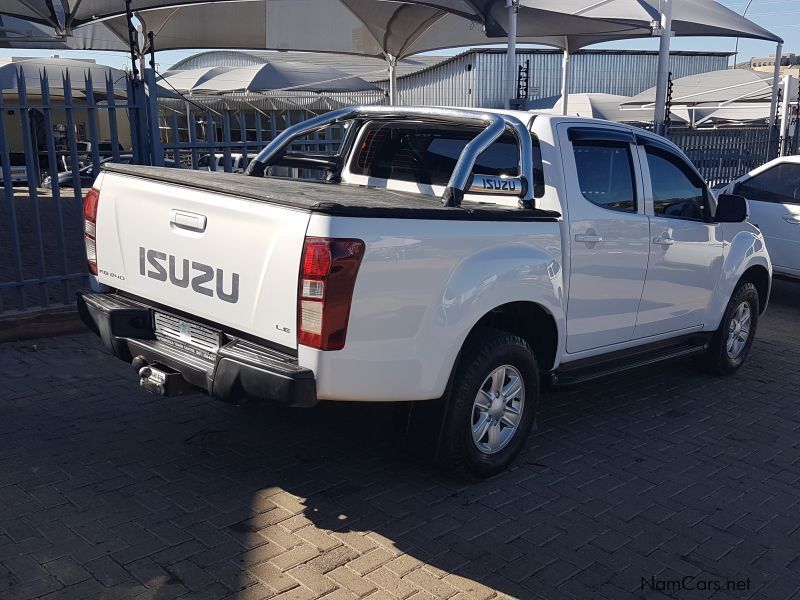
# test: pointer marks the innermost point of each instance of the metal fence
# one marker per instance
(722, 155)
(50, 141)
(226, 138)
(54, 140)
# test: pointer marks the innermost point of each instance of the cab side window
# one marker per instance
(779, 184)
(605, 174)
(678, 192)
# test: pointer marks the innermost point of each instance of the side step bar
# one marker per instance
(587, 369)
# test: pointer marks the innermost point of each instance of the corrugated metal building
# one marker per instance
(475, 77)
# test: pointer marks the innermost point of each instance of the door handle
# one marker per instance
(588, 238)
(664, 240)
(791, 219)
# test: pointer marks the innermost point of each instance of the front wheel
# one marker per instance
(491, 407)
(733, 340)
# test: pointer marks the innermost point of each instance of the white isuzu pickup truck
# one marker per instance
(464, 255)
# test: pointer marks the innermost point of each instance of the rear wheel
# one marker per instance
(491, 407)
(732, 342)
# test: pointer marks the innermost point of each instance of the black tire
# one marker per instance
(486, 351)
(718, 359)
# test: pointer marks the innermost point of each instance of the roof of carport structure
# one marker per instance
(715, 89)
(35, 11)
(690, 17)
(16, 32)
(382, 27)
(54, 70)
(364, 27)
(285, 76)
(368, 68)
(610, 19)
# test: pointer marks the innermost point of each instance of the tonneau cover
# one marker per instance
(329, 198)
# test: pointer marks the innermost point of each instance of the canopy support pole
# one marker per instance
(511, 53)
(132, 40)
(662, 78)
(392, 79)
(773, 107)
(565, 79)
(784, 116)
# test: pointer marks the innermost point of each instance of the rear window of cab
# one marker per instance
(425, 154)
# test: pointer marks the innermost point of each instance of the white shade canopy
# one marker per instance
(621, 18)
(379, 28)
(54, 70)
(599, 106)
(287, 76)
(34, 11)
(714, 89)
(372, 27)
(579, 23)
(16, 32)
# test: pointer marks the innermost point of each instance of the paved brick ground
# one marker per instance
(107, 492)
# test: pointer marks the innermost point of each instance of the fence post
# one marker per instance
(226, 139)
(91, 115)
(31, 164)
(55, 190)
(156, 151)
(191, 125)
(112, 117)
(137, 112)
(5, 163)
(211, 134)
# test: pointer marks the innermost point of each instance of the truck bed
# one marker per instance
(330, 198)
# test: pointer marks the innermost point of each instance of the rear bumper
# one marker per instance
(239, 370)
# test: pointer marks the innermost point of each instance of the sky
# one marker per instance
(779, 16)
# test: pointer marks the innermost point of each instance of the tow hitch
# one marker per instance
(160, 379)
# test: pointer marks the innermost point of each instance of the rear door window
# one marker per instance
(606, 174)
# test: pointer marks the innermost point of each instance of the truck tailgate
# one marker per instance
(229, 260)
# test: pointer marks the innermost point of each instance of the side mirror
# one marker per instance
(731, 209)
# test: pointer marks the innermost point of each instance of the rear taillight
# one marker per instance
(328, 272)
(90, 228)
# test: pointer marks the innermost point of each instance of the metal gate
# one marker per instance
(52, 141)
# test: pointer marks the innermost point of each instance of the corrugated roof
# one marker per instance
(370, 69)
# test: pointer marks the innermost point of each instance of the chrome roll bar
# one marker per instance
(494, 125)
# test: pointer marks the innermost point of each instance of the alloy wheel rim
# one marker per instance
(739, 330)
(497, 409)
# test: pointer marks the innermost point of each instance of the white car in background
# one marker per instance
(773, 192)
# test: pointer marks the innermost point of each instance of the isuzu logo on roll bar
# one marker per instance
(497, 184)
(185, 273)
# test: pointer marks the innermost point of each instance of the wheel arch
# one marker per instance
(759, 277)
(529, 320)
